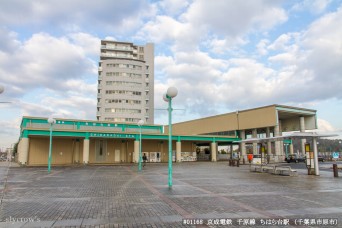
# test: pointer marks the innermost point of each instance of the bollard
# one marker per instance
(230, 162)
(243, 161)
(335, 170)
(237, 163)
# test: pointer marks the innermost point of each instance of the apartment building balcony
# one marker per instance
(117, 55)
(117, 48)
(100, 69)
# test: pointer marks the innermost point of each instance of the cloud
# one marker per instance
(314, 6)
(89, 44)
(44, 61)
(296, 72)
(231, 21)
(325, 126)
(76, 15)
(47, 75)
(173, 7)
(281, 42)
(322, 57)
(222, 17)
(8, 41)
(9, 132)
(164, 28)
(262, 47)
(217, 27)
(207, 85)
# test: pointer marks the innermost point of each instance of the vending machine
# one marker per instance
(310, 163)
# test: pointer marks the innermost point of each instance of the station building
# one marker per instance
(104, 142)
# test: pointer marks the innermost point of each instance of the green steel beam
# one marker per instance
(28, 132)
(55, 133)
(87, 135)
(89, 123)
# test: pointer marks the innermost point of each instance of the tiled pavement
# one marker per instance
(120, 196)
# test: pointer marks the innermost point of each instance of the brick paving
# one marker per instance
(120, 196)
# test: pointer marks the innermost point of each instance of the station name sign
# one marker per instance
(109, 135)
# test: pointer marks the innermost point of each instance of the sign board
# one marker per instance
(310, 159)
(336, 155)
(111, 135)
(256, 159)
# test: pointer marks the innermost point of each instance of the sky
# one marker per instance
(222, 56)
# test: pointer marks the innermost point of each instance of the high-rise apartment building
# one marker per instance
(126, 82)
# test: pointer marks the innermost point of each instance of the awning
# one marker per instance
(290, 136)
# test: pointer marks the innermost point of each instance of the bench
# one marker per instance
(285, 170)
(255, 168)
(268, 168)
(273, 169)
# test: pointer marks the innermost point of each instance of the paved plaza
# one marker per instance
(203, 192)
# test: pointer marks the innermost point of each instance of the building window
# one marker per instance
(124, 83)
(124, 92)
(123, 110)
(116, 101)
(123, 74)
(127, 66)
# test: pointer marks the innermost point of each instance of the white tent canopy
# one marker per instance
(290, 136)
(300, 135)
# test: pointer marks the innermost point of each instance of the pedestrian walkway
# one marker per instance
(203, 192)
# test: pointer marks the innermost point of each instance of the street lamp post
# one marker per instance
(51, 121)
(171, 93)
(140, 123)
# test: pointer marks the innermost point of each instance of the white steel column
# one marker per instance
(23, 150)
(243, 145)
(314, 142)
(281, 143)
(255, 145)
(291, 148)
(85, 151)
(276, 143)
(269, 144)
(178, 151)
(213, 151)
(302, 129)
